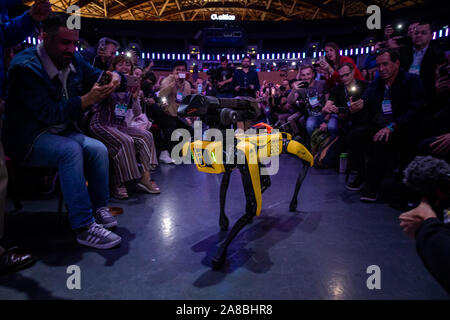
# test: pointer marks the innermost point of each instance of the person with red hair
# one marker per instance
(333, 60)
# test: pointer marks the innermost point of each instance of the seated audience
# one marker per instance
(422, 57)
(345, 101)
(333, 60)
(40, 129)
(131, 149)
(173, 88)
(12, 32)
(394, 101)
(103, 54)
(310, 95)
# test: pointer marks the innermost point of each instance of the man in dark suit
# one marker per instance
(423, 57)
(394, 101)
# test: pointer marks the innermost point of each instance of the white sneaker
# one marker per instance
(96, 236)
(165, 157)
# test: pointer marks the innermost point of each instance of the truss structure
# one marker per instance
(248, 10)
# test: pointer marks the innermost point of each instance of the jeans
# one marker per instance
(313, 122)
(71, 153)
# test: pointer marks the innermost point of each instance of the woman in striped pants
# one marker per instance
(131, 150)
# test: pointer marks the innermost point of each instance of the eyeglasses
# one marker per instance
(345, 75)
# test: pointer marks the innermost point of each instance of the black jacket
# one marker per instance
(433, 246)
(407, 98)
(432, 58)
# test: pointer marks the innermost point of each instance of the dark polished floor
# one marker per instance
(320, 252)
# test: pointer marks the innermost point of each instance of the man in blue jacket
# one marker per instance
(48, 89)
(12, 32)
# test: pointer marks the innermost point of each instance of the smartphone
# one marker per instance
(104, 79)
(182, 75)
(132, 81)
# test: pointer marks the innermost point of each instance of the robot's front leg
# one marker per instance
(300, 178)
(223, 220)
(250, 212)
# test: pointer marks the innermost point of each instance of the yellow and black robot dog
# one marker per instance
(246, 152)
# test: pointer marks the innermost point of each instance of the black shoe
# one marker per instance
(369, 196)
(12, 260)
(357, 184)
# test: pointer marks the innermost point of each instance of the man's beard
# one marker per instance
(65, 61)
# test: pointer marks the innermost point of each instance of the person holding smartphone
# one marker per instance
(346, 102)
(131, 148)
(309, 97)
(173, 89)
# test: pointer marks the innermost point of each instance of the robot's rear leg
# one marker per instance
(223, 220)
(219, 258)
(300, 178)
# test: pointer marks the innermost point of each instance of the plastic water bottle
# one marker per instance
(343, 159)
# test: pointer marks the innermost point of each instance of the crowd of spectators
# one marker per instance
(105, 121)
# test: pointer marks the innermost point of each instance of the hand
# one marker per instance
(392, 42)
(149, 100)
(441, 146)
(135, 91)
(356, 106)
(237, 88)
(442, 85)
(384, 133)
(40, 10)
(115, 79)
(324, 65)
(323, 127)
(388, 31)
(412, 219)
(96, 95)
(330, 108)
(220, 84)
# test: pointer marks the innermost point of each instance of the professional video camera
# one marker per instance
(219, 113)
(246, 152)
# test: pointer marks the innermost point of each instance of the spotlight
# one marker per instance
(128, 54)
